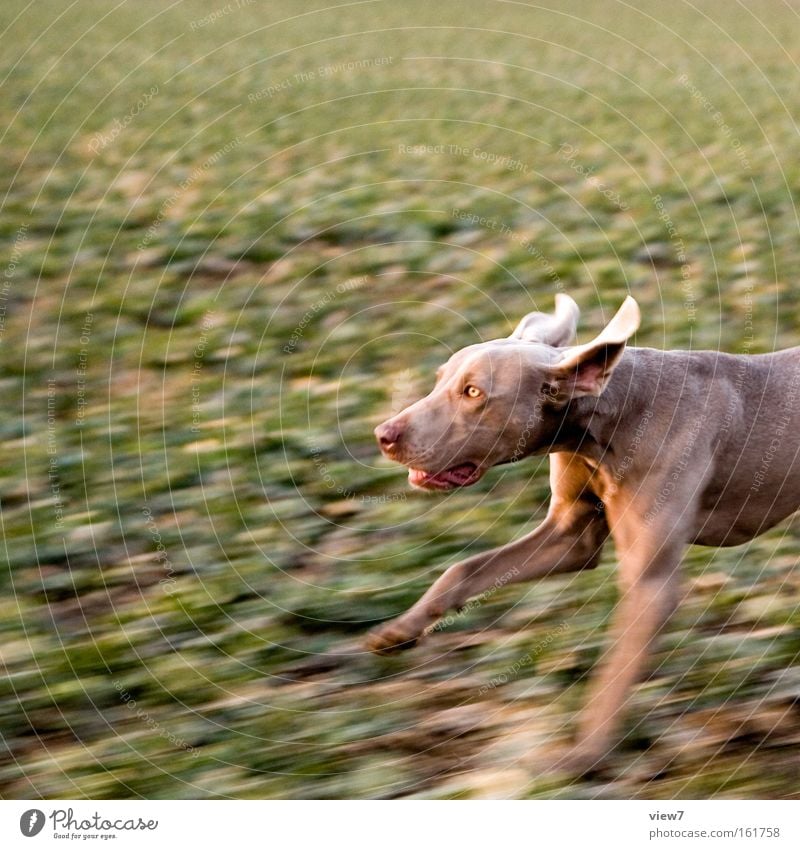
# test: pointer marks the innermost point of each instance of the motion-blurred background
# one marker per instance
(237, 235)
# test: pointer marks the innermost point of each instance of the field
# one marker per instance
(238, 236)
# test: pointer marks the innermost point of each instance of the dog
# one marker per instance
(659, 449)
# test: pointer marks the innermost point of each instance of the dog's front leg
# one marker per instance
(570, 539)
(649, 578)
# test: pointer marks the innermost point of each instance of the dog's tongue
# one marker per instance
(463, 475)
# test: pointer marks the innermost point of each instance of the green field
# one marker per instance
(236, 238)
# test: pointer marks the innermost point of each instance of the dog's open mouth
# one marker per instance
(464, 474)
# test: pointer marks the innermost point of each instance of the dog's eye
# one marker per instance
(473, 392)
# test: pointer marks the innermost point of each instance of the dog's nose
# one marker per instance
(388, 435)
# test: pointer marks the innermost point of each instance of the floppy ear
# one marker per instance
(586, 369)
(557, 330)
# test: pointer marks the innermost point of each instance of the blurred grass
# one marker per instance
(227, 532)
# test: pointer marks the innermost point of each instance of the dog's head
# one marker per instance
(500, 401)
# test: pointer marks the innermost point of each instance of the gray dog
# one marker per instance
(661, 449)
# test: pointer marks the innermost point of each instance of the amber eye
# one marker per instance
(473, 392)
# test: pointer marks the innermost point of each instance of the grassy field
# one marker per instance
(236, 237)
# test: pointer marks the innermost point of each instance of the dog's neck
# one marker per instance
(589, 424)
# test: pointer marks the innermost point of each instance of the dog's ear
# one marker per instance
(557, 330)
(586, 369)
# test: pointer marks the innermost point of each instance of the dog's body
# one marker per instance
(660, 449)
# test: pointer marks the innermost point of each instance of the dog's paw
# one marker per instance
(390, 638)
